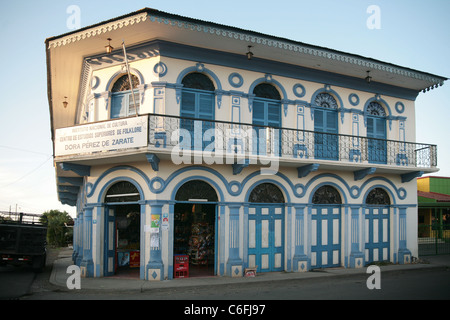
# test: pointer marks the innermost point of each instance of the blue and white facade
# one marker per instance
(305, 163)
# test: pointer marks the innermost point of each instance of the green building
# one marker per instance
(433, 197)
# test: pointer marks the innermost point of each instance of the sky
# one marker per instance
(409, 33)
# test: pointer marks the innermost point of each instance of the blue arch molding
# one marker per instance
(327, 89)
(384, 104)
(202, 178)
(113, 78)
(355, 191)
(91, 187)
(268, 78)
(329, 183)
(199, 67)
(381, 187)
(102, 193)
(235, 188)
(277, 183)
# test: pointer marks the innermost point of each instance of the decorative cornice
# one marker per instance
(266, 40)
(233, 33)
(98, 30)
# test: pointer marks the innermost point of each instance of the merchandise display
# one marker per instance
(200, 248)
(194, 236)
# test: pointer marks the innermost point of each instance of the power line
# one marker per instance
(24, 150)
(26, 175)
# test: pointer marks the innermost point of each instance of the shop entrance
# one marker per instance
(122, 231)
(194, 244)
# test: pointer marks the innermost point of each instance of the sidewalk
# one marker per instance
(59, 276)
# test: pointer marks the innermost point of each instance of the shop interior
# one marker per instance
(127, 240)
(194, 237)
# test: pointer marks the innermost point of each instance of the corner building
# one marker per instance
(232, 148)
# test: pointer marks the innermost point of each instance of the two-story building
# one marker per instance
(175, 136)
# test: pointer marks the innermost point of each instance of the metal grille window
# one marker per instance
(326, 195)
(266, 193)
(122, 191)
(378, 196)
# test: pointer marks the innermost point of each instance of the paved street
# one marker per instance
(15, 281)
(402, 285)
(420, 281)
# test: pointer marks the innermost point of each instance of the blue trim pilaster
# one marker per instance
(404, 255)
(221, 220)
(356, 255)
(87, 264)
(79, 256)
(155, 268)
(301, 262)
(234, 263)
(75, 240)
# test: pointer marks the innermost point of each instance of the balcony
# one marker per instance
(193, 141)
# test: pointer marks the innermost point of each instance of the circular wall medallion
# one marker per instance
(353, 99)
(399, 107)
(236, 80)
(299, 90)
(160, 69)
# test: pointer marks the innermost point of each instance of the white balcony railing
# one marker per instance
(238, 139)
(220, 139)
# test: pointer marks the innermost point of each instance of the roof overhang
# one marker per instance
(66, 54)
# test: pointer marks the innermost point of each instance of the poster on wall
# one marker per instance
(154, 230)
(154, 240)
(155, 221)
(165, 221)
(102, 136)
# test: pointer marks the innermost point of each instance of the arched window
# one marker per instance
(266, 113)
(266, 106)
(198, 81)
(266, 193)
(326, 195)
(122, 191)
(196, 189)
(326, 100)
(376, 132)
(197, 102)
(378, 196)
(266, 91)
(122, 102)
(326, 127)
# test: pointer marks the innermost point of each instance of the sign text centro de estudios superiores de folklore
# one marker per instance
(102, 136)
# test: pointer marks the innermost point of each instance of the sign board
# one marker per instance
(102, 136)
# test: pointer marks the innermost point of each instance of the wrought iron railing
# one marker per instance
(247, 140)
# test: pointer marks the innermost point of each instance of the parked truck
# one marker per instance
(23, 239)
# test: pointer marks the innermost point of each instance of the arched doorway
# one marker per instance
(122, 230)
(376, 133)
(266, 228)
(197, 102)
(326, 228)
(266, 114)
(195, 228)
(326, 142)
(377, 226)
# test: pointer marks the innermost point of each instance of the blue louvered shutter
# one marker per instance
(118, 106)
(325, 137)
(197, 104)
(376, 132)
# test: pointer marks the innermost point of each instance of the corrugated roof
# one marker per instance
(439, 197)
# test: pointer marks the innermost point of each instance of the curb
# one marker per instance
(59, 277)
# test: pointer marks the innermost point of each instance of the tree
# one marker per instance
(59, 227)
